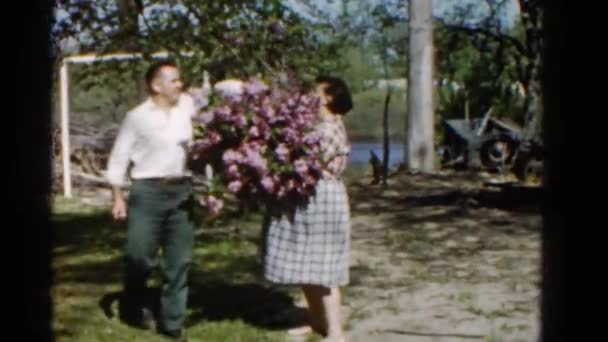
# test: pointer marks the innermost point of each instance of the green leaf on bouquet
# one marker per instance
(199, 130)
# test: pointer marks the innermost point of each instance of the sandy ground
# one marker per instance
(443, 258)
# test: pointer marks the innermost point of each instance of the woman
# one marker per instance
(309, 246)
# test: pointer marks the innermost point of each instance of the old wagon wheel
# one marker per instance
(497, 153)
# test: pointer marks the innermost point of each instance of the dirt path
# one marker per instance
(443, 258)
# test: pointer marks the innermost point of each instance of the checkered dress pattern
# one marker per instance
(311, 244)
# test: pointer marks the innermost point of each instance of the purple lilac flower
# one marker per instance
(268, 184)
(257, 145)
(265, 131)
(213, 204)
(201, 145)
(233, 171)
(254, 132)
(291, 135)
(301, 167)
(282, 152)
(214, 137)
(205, 117)
(290, 185)
(255, 87)
(311, 139)
(254, 159)
(281, 192)
(232, 156)
(223, 113)
(240, 121)
(235, 186)
(268, 112)
(301, 109)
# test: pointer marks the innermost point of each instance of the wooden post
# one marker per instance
(65, 130)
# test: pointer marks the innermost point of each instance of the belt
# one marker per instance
(166, 180)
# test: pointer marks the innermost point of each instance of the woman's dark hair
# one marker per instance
(341, 100)
(154, 70)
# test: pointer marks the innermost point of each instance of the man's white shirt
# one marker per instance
(156, 141)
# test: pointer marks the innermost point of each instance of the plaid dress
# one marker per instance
(310, 245)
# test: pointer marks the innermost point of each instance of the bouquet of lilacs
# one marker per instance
(260, 142)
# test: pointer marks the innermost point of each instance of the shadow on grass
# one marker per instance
(518, 200)
(255, 304)
(259, 305)
(75, 232)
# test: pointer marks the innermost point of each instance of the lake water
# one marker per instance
(360, 152)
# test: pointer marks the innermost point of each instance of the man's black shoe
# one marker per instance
(176, 335)
(139, 318)
(147, 320)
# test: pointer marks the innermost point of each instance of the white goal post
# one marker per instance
(65, 107)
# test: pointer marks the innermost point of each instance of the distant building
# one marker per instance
(395, 83)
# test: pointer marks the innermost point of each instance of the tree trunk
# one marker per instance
(387, 101)
(420, 151)
(533, 114)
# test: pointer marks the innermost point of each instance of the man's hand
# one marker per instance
(119, 209)
(119, 206)
(200, 95)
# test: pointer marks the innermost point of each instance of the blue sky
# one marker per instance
(442, 8)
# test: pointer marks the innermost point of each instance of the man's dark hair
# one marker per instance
(341, 100)
(153, 72)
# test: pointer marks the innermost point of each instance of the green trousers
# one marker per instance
(159, 217)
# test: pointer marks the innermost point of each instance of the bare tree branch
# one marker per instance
(497, 37)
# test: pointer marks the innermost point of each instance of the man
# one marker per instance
(154, 138)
